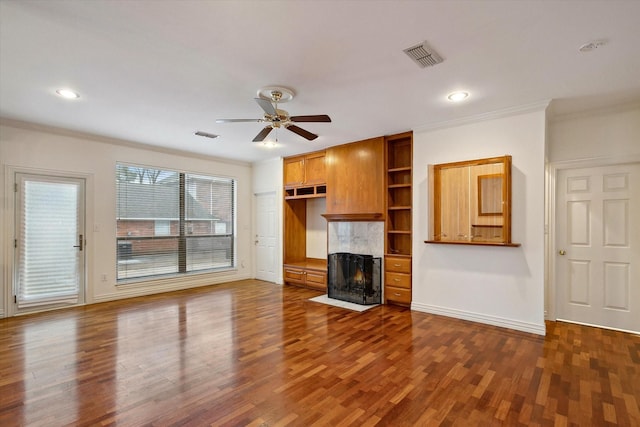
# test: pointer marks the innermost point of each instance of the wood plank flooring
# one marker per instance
(256, 354)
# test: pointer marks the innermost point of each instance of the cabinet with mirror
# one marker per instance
(471, 202)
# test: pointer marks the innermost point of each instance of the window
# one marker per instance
(163, 227)
(173, 222)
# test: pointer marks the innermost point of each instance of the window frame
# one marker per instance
(183, 227)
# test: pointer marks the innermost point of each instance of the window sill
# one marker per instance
(172, 278)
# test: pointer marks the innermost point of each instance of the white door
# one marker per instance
(49, 242)
(598, 246)
(266, 236)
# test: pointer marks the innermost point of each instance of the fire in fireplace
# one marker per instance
(354, 278)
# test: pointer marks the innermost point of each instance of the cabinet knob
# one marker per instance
(396, 280)
(396, 265)
(396, 294)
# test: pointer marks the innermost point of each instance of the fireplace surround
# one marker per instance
(354, 278)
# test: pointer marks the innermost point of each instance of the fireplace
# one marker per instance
(354, 278)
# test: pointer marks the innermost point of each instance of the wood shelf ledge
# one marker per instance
(439, 242)
(374, 216)
(308, 263)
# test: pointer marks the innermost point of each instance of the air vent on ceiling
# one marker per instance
(423, 55)
(206, 134)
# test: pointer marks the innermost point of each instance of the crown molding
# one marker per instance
(610, 109)
(492, 115)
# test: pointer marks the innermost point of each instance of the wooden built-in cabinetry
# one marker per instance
(311, 273)
(355, 182)
(304, 178)
(368, 180)
(398, 226)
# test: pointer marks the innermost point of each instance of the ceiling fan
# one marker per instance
(275, 118)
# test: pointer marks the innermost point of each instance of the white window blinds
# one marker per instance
(49, 265)
(197, 217)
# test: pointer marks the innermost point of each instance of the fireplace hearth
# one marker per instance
(354, 278)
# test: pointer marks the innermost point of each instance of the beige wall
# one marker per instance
(503, 286)
(610, 133)
(50, 150)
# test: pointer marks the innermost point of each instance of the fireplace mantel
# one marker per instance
(354, 217)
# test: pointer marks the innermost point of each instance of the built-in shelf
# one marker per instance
(374, 216)
(307, 192)
(398, 225)
(310, 263)
(440, 242)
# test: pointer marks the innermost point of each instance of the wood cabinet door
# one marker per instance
(398, 295)
(314, 169)
(294, 275)
(355, 177)
(316, 279)
(293, 171)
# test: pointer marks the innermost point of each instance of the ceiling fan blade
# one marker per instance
(267, 106)
(263, 134)
(238, 120)
(317, 118)
(303, 133)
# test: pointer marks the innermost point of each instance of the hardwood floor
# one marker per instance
(253, 353)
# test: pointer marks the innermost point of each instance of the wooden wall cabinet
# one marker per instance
(304, 170)
(355, 180)
(305, 176)
(298, 269)
(398, 225)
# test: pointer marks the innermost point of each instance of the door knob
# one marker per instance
(562, 252)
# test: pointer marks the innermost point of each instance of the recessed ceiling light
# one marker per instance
(458, 96)
(67, 93)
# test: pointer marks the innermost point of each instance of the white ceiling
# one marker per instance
(154, 72)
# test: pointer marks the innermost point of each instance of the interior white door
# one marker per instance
(598, 246)
(266, 236)
(49, 244)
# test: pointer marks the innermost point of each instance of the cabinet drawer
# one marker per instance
(399, 265)
(397, 294)
(399, 280)
(296, 276)
(316, 278)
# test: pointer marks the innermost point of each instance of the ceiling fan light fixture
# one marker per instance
(280, 94)
(458, 96)
(68, 93)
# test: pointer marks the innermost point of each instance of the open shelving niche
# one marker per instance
(398, 226)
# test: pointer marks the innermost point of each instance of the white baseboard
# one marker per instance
(1, 314)
(481, 318)
(176, 285)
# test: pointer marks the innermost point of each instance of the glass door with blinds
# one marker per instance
(49, 244)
